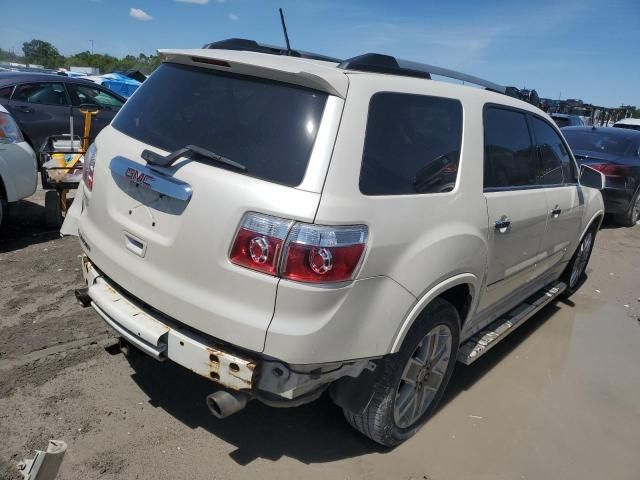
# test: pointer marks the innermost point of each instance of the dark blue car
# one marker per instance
(616, 153)
(43, 104)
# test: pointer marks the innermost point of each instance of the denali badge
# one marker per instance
(157, 179)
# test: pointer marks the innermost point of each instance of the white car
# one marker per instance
(18, 166)
(287, 224)
(630, 123)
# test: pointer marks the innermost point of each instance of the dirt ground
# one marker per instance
(560, 398)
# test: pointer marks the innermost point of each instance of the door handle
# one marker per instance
(23, 108)
(503, 224)
(556, 212)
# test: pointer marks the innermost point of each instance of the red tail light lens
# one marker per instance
(611, 170)
(89, 166)
(322, 254)
(300, 252)
(258, 242)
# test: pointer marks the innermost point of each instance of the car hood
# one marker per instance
(589, 156)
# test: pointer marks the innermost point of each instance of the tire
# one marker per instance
(631, 217)
(52, 212)
(573, 275)
(382, 419)
(4, 209)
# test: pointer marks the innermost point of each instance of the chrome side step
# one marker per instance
(486, 339)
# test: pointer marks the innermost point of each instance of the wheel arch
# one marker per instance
(460, 290)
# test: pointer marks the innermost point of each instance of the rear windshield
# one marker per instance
(267, 126)
(597, 141)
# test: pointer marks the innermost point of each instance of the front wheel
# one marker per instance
(413, 380)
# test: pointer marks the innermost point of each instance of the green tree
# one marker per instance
(40, 52)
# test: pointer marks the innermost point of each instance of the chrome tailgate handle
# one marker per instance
(151, 179)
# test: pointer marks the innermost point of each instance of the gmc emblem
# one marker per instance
(139, 177)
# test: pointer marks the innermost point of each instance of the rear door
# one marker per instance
(558, 174)
(41, 109)
(516, 205)
(169, 246)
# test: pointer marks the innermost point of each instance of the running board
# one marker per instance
(486, 339)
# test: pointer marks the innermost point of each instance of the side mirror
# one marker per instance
(590, 177)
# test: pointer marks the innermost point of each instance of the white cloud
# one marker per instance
(139, 15)
(233, 16)
(199, 2)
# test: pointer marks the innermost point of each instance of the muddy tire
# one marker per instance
(574, 274)
(52, 211)
(631, 217)
(413, 380)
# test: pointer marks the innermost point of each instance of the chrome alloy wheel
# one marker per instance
(422, 376)
(582, 257)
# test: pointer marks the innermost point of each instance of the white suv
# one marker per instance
(284, 225)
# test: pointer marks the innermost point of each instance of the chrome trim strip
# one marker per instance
(156, 179)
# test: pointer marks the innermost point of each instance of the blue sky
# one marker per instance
(584, 49)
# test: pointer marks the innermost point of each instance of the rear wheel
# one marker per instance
(574, 273)
(631, 217)
(413, 380)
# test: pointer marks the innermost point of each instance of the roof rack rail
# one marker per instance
(375, 62)
(246, 45)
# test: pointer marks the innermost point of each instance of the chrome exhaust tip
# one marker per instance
(223, 404)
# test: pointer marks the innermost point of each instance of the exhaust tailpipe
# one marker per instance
(223, 403)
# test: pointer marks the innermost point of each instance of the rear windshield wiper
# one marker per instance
(190, 151)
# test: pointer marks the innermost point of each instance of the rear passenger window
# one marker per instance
(509, 156)
(412, 145)
(555, 161)
(5, 92)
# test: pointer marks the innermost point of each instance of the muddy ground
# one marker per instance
(560, 398)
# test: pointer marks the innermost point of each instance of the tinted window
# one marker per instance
(412, 145)
(5, 92)
(553, 155)
(509, 157)
(95, 96)
(599, 140)
(42, 93)
(267, 126)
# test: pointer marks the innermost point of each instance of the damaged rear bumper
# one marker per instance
(270, 380)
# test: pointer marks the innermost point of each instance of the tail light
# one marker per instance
(89, 166)
(611, 169)
(300, 252)
(258, 243)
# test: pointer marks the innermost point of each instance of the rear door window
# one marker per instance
(269, 127)
(412, 145)
(46, 93)
(509, 156)
(5, 92)
(555, 162)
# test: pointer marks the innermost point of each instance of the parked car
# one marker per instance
(42, 104)
(18, 173)
(629, 123)
(616, 153)
(284, 226)
(565, 120)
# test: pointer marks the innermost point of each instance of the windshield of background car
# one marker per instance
(561, 121)
(597, 141)
(9, 130)
(269, 127)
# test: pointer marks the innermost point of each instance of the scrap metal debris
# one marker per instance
(45, 464)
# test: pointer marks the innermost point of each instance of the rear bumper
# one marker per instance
(268, 379)
(617, 200)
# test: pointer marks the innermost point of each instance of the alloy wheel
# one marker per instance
(422, 376)
(582, 257)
